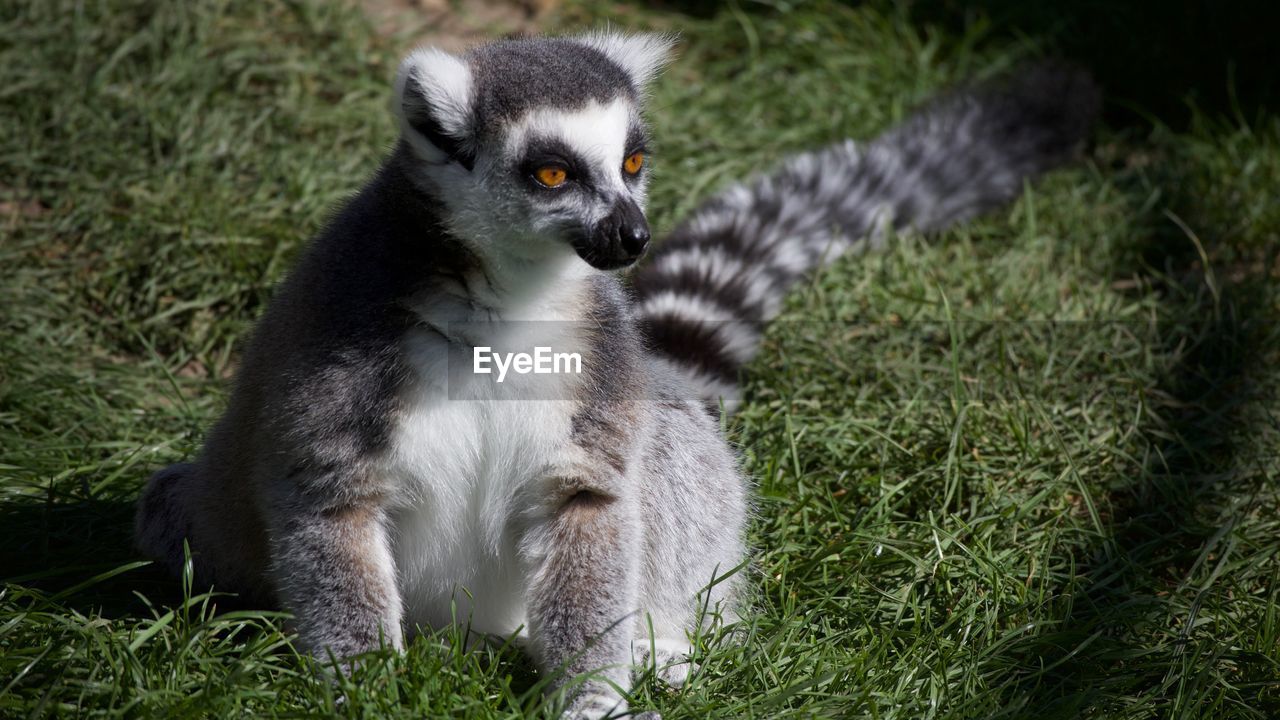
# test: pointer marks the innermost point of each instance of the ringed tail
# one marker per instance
(708, 290)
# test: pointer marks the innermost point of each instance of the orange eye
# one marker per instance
(633, 163)
(551, 176)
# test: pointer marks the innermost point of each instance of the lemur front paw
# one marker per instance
(669, 660)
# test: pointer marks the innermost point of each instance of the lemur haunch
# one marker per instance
(363, 482)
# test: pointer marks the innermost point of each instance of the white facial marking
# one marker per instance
(597, 134)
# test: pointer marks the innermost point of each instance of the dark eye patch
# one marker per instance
(544, 152)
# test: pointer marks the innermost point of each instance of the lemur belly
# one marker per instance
(460, 460)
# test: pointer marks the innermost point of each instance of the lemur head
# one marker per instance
(535, 146)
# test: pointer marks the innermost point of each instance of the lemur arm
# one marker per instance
(333, 569)
(584, 569)
(326, 507)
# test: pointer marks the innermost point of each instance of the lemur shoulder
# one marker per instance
(364, 482)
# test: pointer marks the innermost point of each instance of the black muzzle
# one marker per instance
(619, 240)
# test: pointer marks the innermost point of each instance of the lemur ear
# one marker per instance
(642, 55)
(433, 101)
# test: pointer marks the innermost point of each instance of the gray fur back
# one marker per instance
(724, 272)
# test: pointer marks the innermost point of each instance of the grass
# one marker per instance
(1027, 468)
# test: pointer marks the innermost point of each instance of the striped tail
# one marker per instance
(723, 273)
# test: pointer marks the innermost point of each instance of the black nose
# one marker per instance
(616, 241)
(626, 231)
(635, 237)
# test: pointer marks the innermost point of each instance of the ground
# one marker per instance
(1024, 468)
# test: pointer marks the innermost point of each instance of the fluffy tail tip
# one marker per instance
(1050, 106)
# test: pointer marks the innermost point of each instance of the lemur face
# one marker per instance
(536, 147)
(582, 175)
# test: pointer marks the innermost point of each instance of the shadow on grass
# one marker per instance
(1151, 55)
(58, 545)
(1145, 625)
(1144, 628)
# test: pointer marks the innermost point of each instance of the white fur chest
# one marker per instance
(464, 452)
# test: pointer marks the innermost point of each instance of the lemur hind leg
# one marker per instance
(695, 508)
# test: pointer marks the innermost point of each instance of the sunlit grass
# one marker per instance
(1027, 468)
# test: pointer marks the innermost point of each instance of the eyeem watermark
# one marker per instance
(542, 361)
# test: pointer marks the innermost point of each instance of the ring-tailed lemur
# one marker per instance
(361, 481)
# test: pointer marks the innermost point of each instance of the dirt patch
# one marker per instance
(17, 205)
(455, 25)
